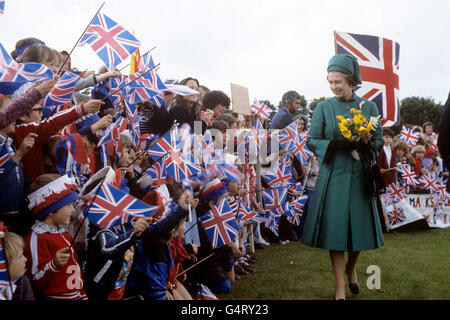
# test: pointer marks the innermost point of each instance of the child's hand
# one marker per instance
(141, 225)
(46, 86)
(93, 106)
(123, 172)
(194, 203)
(102, 123)
(27, 143)
(62, 257)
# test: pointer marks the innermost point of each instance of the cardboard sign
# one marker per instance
(240, 99)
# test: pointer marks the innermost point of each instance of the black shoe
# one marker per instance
(355, 288)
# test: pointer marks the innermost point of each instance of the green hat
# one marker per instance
(345, 63)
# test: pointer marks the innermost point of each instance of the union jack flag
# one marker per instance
(230, 172)
(429, 183)
(442, 192)
(288, 136)
(177, 166)
(133, 122)
(296, 208)
(2, 6)
(62, 92)
(158, 173)
(11, 71)
(109, 40)
(220, 224)
(273, 222)
(379, 65)
(117, 94)
(257, 135)
(140, 90)
(301, 151)
(261, 110)
(146, 62)
(409, 135)
(245, 214)
(396, 216)
(204, 293)
(274, 198)
(408, 174)
(396, 192)
(112, 207)
(113, 131)
(280, 175)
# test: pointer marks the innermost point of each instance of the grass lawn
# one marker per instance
(414, 264)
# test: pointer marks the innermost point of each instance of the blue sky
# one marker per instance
(268, 46)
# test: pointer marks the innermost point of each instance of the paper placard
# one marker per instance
(240, 99)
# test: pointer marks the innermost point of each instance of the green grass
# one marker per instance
(414, 264)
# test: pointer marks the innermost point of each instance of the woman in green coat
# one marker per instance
(343, 213)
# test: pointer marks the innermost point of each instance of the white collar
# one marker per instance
(40, 227)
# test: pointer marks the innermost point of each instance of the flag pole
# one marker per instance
(196, 264)
(71, 51)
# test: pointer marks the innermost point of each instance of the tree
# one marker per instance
(313, 105)
(417, 111)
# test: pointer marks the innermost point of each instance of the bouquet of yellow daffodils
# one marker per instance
(357, 128)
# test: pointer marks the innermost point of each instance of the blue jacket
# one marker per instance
(152, 262)
(282, 119)
(11, 182)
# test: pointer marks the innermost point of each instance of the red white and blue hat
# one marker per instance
(53, 196)
(213, 190)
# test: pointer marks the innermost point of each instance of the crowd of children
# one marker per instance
(53, 165)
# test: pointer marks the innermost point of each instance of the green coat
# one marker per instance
(342, 213)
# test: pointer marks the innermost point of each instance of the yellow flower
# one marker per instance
(353, 110)
(347, 134)
(363, 130)
(358, 119)
(342, 120)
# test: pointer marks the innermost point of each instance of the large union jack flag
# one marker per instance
(11, 71)
(409, 135)
(261, 110)
(112, 207)
(379, 64)
(62, 92)
(220, 224)
(109, 40)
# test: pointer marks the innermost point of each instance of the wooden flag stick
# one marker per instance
(70, 53)
(193, 266)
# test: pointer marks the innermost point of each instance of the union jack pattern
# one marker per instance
(256, 135)
(261, 110)
(409, 135)
(396, 216)
(273, 222)
(274, 198)
(158, 173)
(280, 175)
(396, 192)
(429, 183)
(62, 92)
(296, 206)
(109, 40)
(112, 207)
(379, 65)
(408, 174)
(11, 71)
(220, 224)
(245, 214)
